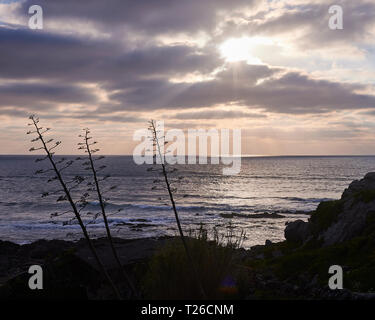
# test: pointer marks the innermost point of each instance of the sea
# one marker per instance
(254, 205)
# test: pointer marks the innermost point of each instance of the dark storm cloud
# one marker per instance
(158, 62)
(30, 54)
(59, 59)
(297, 93)
(37, 54)
(151, 16)
(291, 93)
(93, 116)
(159, 93)
(42, 96)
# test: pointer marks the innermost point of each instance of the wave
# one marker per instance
(40, 225)
(221, 208)
(307, 200)
(297, 199)
(148, 206)
(98, 223)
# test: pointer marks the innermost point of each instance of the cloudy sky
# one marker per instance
(273, 68)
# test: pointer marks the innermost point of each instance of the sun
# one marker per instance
(243, 49)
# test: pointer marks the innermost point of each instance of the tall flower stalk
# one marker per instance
(86, 145)
(48, 149)
(157, 144)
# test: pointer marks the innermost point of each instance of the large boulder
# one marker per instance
(340, 220)
(297, 231)
(355, 211)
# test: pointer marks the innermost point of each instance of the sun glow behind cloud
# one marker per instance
(244, 49)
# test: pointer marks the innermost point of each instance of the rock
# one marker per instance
(315, 280)
(297, 231)
(344, 294)
(364, 296)
(265, 215)
(140, 220)
(67, 277)
(129, 251)
(277, 254)
(46, 248)
(136, 226)
(69, 268)
(7, 247)
(226, 215)
(339, 220)
(352, 214)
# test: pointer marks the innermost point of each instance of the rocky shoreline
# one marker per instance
(340, 232)
(73, 274)
(73, 262)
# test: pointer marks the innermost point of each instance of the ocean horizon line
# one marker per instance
(234, 156)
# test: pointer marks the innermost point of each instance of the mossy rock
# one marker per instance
(356, 255)
(66, 277)
(366, 195)
(370, 224)
(325, 215)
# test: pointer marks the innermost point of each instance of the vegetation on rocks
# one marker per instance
(309, 263)
(325, 215)
(367, 195)
(170, 276)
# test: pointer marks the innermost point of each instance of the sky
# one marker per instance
(274, 69)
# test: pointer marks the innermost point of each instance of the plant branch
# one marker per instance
(104, 215)
(72, 204)
(170, 193)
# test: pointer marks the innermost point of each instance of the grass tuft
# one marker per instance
(170, 275)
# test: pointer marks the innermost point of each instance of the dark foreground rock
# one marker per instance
(69, 269)
(297, 231)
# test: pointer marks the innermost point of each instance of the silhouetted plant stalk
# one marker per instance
(156, 144)
(66, 189)
(86, 145)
